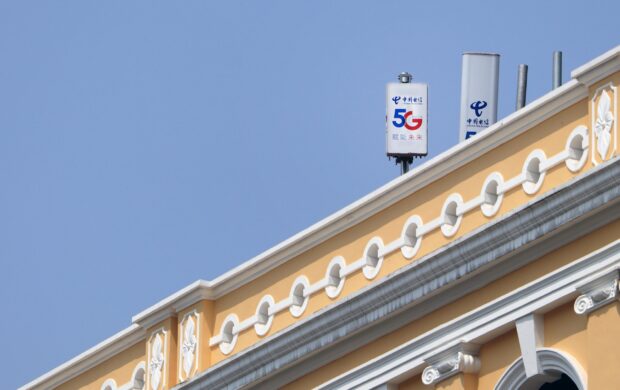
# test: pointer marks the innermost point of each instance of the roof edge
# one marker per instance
(104, 350)
(598, 68)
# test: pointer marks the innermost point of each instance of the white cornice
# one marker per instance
(460, 267)
(86, 360)
(483, 323)
(600, 67)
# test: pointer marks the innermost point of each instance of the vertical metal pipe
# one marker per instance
(404, 78)
(521, 86)
(557, 69)
(404, 166)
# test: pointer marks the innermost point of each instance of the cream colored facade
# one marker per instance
(494, 265)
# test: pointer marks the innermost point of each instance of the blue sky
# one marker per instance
(145, 145)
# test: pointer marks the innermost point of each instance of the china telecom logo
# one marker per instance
(478, 106)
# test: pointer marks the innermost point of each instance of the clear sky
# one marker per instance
(148, 144)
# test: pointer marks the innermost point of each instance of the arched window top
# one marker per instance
(553, 364)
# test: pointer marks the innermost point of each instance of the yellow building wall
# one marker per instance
(567, 331)
(508, 159)
(459, 382)
(120, 367)
(603, 347)
(498, 354)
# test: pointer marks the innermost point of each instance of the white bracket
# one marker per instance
(460, 358)
(597, 293)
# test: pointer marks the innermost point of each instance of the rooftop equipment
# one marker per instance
(479, 88)
(406, 120)
(521, 86)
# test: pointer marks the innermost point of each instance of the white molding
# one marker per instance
(506, 244)
(447, 229)
(391, 247)
(470, 205)
(369, 271)
(488, 209)
(296, 308)
(331, 290)
(597, 293)
(530, 331)
(575, 165)
(259, 328)
(461, 358)
(246, 324)
(318, 286)
(280, 306)
(483, 323)
(431, 225)
(598, 68)
(512, 183)
(407, 249)
(182, 376)
(531, 187)
(353, 267)
(227, 347)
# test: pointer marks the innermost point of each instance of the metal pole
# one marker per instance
(404, 166)
(404, 78)
(557, 69)
(521, 86)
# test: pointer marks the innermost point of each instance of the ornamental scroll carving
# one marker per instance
(597, 293)
(604, 134)
(189, 345)
(461, 358)
(157, 359)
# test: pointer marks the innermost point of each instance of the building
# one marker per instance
(494, 265)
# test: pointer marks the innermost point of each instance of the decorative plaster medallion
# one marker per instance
(604, 134)
(157, 361)
(189, 344)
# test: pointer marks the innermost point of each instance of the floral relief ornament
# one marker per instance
(157, 362)
(189, 345)
(602, 128)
